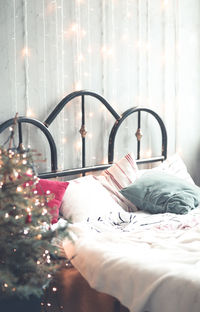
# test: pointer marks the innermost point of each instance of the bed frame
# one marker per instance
(100, 299)
(119, 119)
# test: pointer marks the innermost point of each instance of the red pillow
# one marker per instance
(58, 189)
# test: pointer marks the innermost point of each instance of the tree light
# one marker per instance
(29, 172)
(19, 189)
(44, 211)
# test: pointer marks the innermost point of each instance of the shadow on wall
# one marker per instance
(194, 167)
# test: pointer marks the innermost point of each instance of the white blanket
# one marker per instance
(149, 262)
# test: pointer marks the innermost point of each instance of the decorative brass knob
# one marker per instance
(82, 131)
(139, 134)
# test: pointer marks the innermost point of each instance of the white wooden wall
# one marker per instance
(133, 52)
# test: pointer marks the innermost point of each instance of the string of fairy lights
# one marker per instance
(93, 34)
(76, 32)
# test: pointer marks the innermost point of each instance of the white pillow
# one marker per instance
(86, 198)
(173, 165)
(122, 173)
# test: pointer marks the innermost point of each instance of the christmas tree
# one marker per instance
(27, 255)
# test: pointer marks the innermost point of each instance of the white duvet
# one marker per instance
(149, 262)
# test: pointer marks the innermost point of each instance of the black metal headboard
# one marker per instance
(44, 127)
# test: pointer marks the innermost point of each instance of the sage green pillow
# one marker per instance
(158, 192)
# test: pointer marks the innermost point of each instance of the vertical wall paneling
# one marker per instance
(176, 73)
(144, 53)
(15, 99)
(138, 50)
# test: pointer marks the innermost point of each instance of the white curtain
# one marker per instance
(133, 52)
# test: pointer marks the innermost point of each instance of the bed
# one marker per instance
(135, 231)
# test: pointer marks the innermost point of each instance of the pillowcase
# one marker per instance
(57, 188)
(173, 165)
(122, 173)
(158, 192)
(86, 198)
(116, 195)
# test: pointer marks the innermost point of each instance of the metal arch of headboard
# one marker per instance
(64, 102)
(119, 119)
(42, 127)
(72, 96)
(138, 135)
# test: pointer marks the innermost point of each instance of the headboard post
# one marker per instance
(83, 131)
(138, 135)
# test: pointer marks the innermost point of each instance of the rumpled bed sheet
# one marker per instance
(149, 262)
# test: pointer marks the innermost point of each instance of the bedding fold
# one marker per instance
(148, 262)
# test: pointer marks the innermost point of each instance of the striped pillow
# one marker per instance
(122, 173)
(126, 204)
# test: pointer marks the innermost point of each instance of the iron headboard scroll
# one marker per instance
(44, 127)
(138, 135)
(70, 97)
